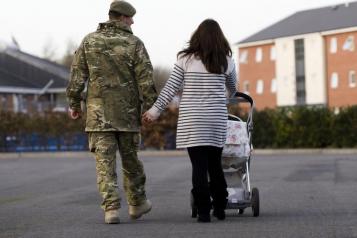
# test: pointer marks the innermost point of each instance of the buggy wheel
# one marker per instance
(194, 211)
(240, 211)
(255, 202)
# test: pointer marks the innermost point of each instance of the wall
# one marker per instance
(252, 71)
(341, 63)
(285, 72)
(315, 70)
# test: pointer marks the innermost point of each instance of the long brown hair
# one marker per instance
(210, 45)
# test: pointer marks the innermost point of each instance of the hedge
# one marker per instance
(305, 127)
(40, 132)
(291, 127)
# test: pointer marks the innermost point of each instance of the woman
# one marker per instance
(204, 70)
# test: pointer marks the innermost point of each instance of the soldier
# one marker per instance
(116, 68)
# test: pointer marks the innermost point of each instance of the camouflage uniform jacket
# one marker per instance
(119, 76)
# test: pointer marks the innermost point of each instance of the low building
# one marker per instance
(308, 58)
(30, 84)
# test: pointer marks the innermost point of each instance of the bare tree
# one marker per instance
(49, 50)
(15, 42)
(161, 75)
(67, 58)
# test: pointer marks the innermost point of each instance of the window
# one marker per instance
(246, 87)
(243, 57)
(3, 100)
(273, 87)
(22, 103)
(334, 80)
(300, 71)
(349, 44)
(352, 79)
(273, 53)
(15, 102)
(333, 45)
(61, 101)
(260, 86)
(259, 55)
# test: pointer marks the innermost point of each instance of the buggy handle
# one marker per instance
(245, 96)
(238, 96)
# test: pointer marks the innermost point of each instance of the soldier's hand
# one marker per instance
(74, 114)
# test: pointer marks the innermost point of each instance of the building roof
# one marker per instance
(21, 70)
(310, 21)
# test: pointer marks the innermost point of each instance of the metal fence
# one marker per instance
(36, 143)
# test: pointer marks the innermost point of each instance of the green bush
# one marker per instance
(264, 131)
(290, 127)
(161, 134)
(303, 127)
(344, 128)
(45, 126)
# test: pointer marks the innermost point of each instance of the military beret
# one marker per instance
(123, 8)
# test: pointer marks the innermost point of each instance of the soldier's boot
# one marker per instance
(112, 217)
(136, 212)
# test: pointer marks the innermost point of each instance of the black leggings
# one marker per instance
(206, 160)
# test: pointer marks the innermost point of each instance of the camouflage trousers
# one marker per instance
(104, 145)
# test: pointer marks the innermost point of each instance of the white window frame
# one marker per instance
(23, 103)
(336, 110)
(259, 55)
(243, 57)
(349, 44)
(334, 80)
(260, 86)
(352, 79)
(273, 87)
(15, 103)
(273, 53)
(333, 45)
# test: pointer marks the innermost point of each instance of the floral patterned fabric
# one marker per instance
(237, 141)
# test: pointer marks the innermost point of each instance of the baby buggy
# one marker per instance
(236, 157)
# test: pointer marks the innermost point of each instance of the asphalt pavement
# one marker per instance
(301, 195)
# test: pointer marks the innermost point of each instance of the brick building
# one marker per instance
(308, 58)
(30, 84)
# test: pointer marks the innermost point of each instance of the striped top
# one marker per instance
(203, 115)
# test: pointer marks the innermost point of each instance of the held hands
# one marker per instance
(150, 116)
(73, 114)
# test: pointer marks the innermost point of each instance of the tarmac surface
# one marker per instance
(301, 195)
